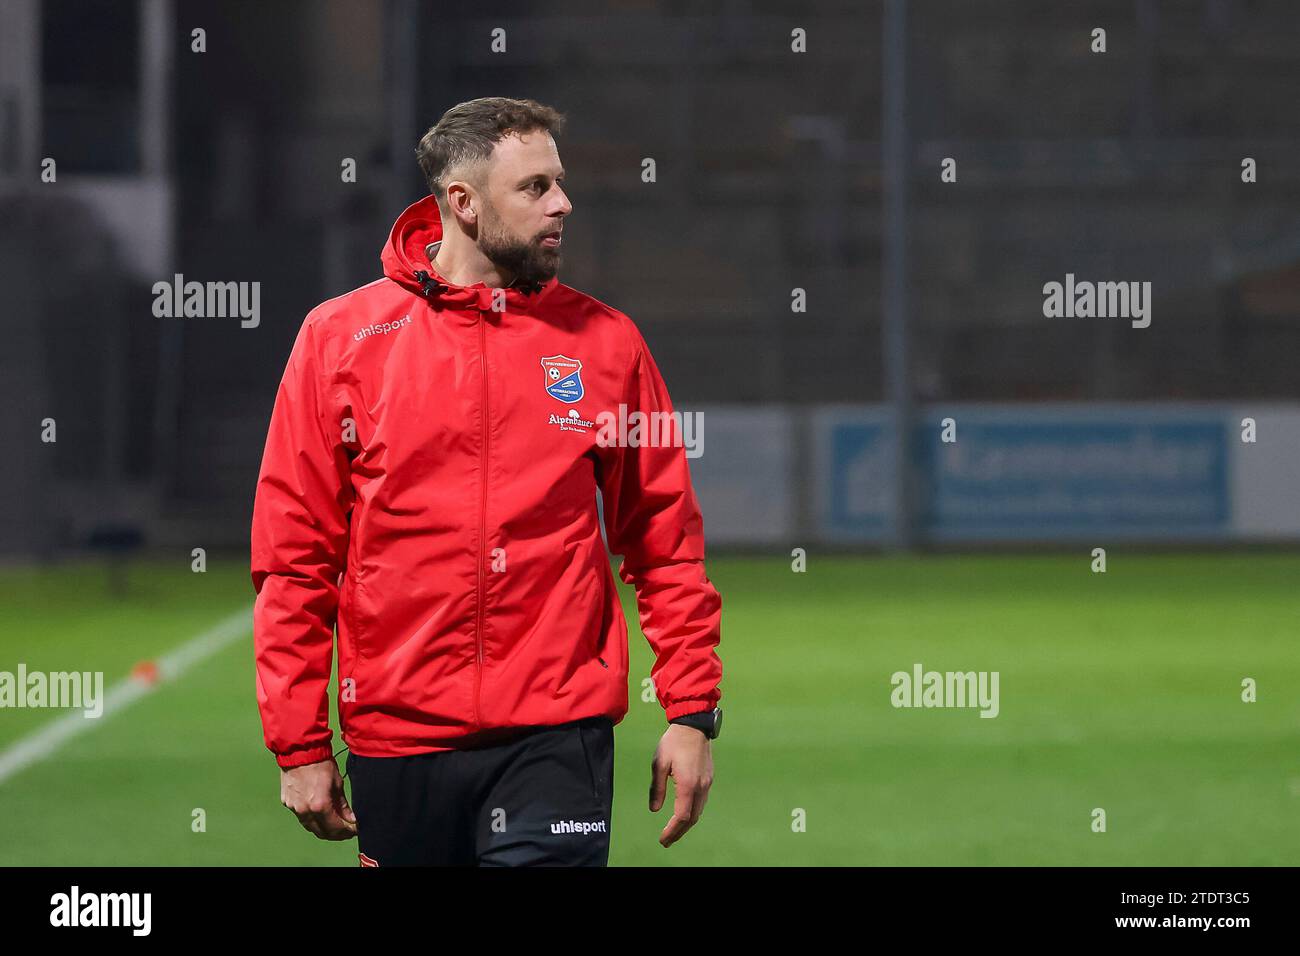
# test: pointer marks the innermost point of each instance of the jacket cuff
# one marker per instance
(684, 707)
(300, 758)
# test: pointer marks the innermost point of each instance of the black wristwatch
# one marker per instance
(709, 722)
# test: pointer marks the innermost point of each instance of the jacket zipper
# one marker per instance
(482, 518)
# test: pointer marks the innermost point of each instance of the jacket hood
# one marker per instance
(406, 262)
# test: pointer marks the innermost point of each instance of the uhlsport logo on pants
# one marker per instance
(578, 826)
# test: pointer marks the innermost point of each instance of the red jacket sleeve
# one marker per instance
(653, 520)
(299, 548)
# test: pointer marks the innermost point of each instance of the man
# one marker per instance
(429, 485)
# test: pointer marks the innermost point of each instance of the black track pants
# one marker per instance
(540, 799)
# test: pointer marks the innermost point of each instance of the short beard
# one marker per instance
(531, 263)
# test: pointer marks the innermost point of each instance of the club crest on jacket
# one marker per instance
(563, 378)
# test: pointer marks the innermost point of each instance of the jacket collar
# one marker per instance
(405, 259)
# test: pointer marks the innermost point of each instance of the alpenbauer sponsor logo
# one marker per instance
(572, 422)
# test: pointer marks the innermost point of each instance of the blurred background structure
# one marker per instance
(774, 175)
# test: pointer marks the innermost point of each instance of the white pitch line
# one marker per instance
(46, 739)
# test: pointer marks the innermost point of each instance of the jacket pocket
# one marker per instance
(581, 731)
(596, 737)
(349, 607)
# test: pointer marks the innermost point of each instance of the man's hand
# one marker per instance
(315, 793)
(683, 754)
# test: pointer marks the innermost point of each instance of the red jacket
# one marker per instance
(429, 485)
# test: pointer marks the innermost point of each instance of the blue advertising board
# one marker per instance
(1030, 472)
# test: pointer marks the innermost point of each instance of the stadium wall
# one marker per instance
(1059, 472)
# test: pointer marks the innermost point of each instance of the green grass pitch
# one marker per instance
(1119, 690)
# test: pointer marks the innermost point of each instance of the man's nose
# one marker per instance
(564, 207)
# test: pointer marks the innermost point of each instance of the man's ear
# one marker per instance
(458, 202)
